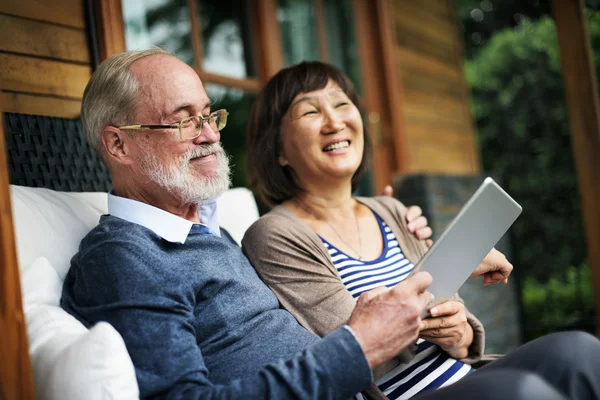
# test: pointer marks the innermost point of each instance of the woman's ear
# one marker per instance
(283, 161)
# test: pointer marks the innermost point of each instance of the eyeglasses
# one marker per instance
(190, 127)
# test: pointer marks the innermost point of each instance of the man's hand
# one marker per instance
(385, 321)
(417, 224)
(494, 268)
(448, 328)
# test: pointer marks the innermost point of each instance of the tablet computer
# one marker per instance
(465, 242)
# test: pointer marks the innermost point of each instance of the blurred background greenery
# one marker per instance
(514, 74)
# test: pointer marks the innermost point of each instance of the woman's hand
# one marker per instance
(494, 268)
(448, 328)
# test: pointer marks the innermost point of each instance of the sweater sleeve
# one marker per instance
(153, 313)
(291, 264)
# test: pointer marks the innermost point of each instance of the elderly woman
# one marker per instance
(320, 247)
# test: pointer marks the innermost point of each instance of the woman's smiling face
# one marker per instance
(322, 136)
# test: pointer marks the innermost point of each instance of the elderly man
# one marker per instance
(196, 319)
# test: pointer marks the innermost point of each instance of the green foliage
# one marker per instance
(523, 133)
(560, 304)
(518, 102)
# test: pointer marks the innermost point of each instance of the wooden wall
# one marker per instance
(44, 56)
(438, 128)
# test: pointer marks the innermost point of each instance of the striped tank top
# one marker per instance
(431, 368)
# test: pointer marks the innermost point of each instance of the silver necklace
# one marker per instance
(358, 253)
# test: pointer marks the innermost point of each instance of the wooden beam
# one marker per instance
(268, 46)
(24, 103)
(197, 39)
(35, 75)
(16, 380)
(42, 39)
(62, 12)
(367, 40)
(319, 14)
(109, 26)
(393, 88)
(249, 84)
(581, 91)
(465, 95)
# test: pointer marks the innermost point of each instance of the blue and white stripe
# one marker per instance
(431, 368)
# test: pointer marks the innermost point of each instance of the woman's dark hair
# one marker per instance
(270, 181)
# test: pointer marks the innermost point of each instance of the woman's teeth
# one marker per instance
(338, 145)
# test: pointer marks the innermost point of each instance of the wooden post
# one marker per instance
(268, 48)
(109, 25)
(16, 380)
(581, 91)
(374, 38)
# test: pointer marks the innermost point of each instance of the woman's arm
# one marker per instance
(295, 266)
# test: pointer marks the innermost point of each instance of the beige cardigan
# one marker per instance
(292, 260)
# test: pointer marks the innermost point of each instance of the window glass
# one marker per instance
(233, 136)
(162, 23)
(341, 39)
(226, 35)
(298, 32)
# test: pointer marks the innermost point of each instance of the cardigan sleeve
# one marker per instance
(292, 265)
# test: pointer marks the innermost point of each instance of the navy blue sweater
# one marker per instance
(199, 323)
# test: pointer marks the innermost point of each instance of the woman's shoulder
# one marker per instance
(278, 224)
(388, 203)
(280, 231)
(279, 220)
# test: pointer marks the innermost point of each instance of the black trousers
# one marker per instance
(559, 366)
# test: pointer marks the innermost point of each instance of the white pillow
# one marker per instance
(51, 224)
(237, 210)
(70, 362)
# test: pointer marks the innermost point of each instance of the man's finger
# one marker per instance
(374, 292)
(413, 212)
(429, 242)
(420, 281)
(424, 233)
(417, 223)
(387, 191)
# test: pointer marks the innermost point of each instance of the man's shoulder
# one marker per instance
(113, 232)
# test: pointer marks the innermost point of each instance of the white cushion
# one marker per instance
(237, 210)
(70, 362)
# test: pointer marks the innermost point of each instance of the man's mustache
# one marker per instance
(204, 150)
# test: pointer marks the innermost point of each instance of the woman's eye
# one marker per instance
(341, 104)
(309, 112)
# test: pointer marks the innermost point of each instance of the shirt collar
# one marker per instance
(168, 226)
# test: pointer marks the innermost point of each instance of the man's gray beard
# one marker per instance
(179, 180)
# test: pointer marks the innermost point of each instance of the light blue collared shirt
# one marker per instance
(168, 226)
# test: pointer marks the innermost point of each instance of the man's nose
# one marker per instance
(208, 135)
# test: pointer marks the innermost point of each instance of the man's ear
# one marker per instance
(116, 145)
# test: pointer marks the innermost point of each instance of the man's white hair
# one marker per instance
(111, 95)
